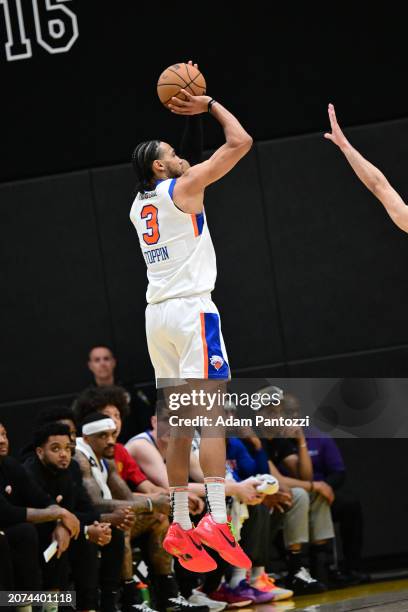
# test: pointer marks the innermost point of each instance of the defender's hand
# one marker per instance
(336, 134)
(193, 105)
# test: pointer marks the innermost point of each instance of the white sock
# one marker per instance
(179, 507)
(238, 574)
(215, 492)
(256, 572)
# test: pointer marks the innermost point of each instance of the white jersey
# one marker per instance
(176, 246)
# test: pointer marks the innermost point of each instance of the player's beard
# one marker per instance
(109, 452)
(174, 171)
(56, 469)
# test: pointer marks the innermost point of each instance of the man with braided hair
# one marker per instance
(182, 322)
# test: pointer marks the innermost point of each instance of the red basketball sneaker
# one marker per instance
(220, 537)
(186, 546)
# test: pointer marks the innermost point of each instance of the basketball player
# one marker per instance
(368, 174)
(182, 323)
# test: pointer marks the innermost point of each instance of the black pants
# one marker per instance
(88, 572)
(21, 559)
(346, 510)
(111, 562)
(83, 558)
(55, 573)
(6, 565)
(256, 535)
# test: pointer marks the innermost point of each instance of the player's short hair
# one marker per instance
(42, 434)
(142, 160)
(95, 399)
(55, 413)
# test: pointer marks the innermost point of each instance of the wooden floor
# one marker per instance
(378, 597)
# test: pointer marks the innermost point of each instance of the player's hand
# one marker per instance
(284, 488)
(122, 517)
(100, 533)
(71, 522)
(258, 499)
(336, 134)
(62, 537)
(282, 501)
(161, 503)
(296, 433)
(324, 490)
(246, 490)
(190, 63)
(195, 503)
(193, 105)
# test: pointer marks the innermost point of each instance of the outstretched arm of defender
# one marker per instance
(238, 143)
(368, 174)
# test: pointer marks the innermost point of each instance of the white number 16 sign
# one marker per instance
(56, 28)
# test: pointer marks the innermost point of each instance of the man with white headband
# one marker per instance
(95, 455)
(96, 434)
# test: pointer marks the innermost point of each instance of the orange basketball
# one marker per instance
(180, 76)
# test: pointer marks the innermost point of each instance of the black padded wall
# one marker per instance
(373, 467)
(388, 362)
(53, 300)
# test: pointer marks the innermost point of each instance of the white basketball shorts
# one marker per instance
(184, 339)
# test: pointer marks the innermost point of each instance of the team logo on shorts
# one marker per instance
(216, 361)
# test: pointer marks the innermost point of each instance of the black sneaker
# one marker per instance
(180, 604)
(302, 583)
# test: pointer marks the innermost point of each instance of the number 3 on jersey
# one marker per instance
(149, 212)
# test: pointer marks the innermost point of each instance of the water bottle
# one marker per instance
(144, 591)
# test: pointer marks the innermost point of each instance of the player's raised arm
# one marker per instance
(368, 174)
(238, 143)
